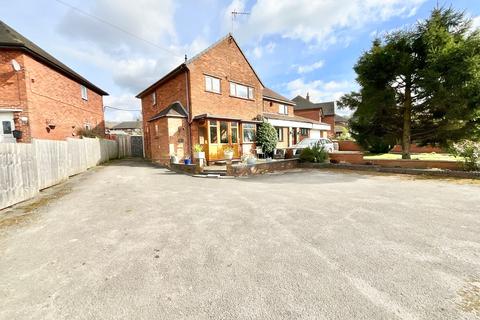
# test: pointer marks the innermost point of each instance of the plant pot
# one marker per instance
(228, 155)
(17, 134)
(199, 155)
(251, 161)
(187, 161)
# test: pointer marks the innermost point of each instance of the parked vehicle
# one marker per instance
(327, 144)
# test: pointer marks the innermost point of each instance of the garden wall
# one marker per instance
(238, 170)
(347, 145)
(417, 164)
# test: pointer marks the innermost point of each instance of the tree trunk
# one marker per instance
(407, 121)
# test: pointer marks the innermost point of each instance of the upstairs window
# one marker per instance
(241, 91)
(154, 98)
(282, 109)
(84, 92)
(212, 84)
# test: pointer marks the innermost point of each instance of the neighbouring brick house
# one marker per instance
(40, 97)
(323, 111)
(215, 99)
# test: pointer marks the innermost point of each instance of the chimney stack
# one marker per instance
(308, 97)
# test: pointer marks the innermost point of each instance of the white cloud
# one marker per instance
(319, 90)
(318, 21)
(127, 102)
(476, 22)
(310, 67)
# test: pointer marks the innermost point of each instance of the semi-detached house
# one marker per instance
(216, 99)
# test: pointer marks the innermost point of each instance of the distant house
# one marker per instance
(40, 97)
(126, 127)
(216, 99)
(322, 111)
(341, 124)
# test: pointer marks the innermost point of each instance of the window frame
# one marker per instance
(283, 109)
(212, 124)
(302, 130)
(84, 92)
(211, 79)
(280, 135)
(250, 91)
(252, 127)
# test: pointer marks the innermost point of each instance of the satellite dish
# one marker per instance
(16, 66)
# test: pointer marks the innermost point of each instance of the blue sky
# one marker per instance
(296, 46)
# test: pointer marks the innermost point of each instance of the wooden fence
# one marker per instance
(27, 168)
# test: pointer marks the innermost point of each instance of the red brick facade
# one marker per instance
(51, 104)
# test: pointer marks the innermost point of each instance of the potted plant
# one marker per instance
(174, 158)
(198, 151)
(187, 161)
(251, 160)
(228, 152)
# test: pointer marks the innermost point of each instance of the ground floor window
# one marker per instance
(7, 127)
(223, 132)
(234, 132)
(304, 132)
(248, 132)
(279, 134)
(213, 132)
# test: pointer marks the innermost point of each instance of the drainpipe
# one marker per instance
(189, 115)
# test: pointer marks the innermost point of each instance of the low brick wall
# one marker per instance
(347, 145)
(239, 170)
(417, 149)
(417, 164)
(355, 157)
(187, 168)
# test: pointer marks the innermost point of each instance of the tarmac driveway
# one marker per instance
(132, 241)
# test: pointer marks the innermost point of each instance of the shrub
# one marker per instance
(198, 148)
(345, 135)
(316, 154)
(88, 133)
(469, 151)
(266, 137)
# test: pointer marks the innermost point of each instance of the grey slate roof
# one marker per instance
(270, 94)
(176, 109)
(328, 108)
(339, 118)
(11, 39)
(128, 125)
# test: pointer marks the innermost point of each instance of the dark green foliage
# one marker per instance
(420, 84)
(316, 154)
(266, 137)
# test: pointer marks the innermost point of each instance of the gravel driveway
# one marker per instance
(132, 241)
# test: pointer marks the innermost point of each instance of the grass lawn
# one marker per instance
(415, 156)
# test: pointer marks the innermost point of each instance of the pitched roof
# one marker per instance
(290, 118)
(184, 66)
(328, 108)
(128, 125)
(339, 118)
(176, 109)
(11, 39)
(111, 124)
(269, 94)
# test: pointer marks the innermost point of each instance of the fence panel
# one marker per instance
(27, 168)
(18, 173)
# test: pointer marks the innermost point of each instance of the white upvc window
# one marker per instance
(154, 98)
(84, 92)
(241, 91)
(212, 84)
(282, 109)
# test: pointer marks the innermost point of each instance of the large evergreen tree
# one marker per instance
(420, 84)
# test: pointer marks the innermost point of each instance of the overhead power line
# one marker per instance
(112, 25)
(115, 108)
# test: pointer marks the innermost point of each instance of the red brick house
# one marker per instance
(215, 99)
(323, 111)
(40, 97)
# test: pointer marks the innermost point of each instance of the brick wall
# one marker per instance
(331, 121)
(226, 62)
(170, 91)
(313, 114)
(45, 95)
(273, 107)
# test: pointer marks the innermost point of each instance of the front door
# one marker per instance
(222, 134)
(6, 127)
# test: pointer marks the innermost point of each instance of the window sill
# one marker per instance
(208, 91)
(248, 99)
